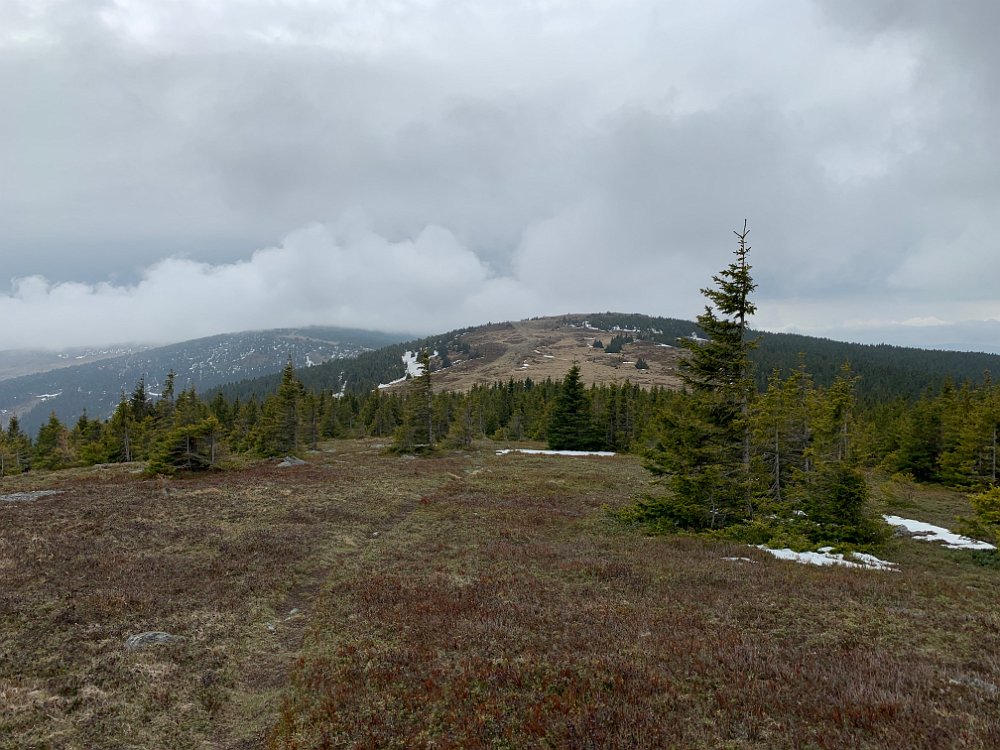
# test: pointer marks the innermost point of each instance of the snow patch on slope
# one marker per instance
(929, 533)
(536, 452)
(826, 556)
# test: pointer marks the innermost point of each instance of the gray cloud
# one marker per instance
(543, 157)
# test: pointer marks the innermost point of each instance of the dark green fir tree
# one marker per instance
(704, 448)
(570, 425)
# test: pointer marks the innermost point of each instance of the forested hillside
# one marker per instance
(886, 371)
(96, 388)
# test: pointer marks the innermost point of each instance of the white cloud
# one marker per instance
(341, 274)
(542, 156)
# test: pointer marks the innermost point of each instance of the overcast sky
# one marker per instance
(176, 169)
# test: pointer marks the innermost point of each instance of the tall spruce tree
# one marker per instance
(52, 449)
(277, 432)
(15, 448)
(570, 425)
(416, 432)
(704, 450)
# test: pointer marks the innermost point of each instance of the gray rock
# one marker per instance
(291, 461)
(151, 638)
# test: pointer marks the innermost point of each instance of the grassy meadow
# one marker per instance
(467, 600)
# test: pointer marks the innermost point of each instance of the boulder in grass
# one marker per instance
(291, 461)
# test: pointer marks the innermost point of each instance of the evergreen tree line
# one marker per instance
(948, 436)
(790, 432)
(183, 431)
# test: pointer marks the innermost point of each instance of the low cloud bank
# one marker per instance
(320, 274)
(347, 273)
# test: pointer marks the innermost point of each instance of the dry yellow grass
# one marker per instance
(547, 348)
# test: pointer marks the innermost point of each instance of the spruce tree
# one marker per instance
(52, 449)
(277, 432)
(139, 400)
(87, 441)
(416, 432)
(706, 461)
(570, 426)
(15, 447)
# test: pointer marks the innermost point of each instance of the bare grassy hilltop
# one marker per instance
(465, 600)
(547, 347)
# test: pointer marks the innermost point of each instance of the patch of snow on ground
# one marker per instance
(930, 533)
(826, 556)
(549, 356)
(26, 496)
(536, 452)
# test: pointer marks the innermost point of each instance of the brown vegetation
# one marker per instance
(463, 601)
(547, 348)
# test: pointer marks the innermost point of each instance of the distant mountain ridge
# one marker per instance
(500, 351)
(205, 363)
(15, 363)
(356, 361)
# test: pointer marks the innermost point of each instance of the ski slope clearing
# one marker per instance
(413, 369)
